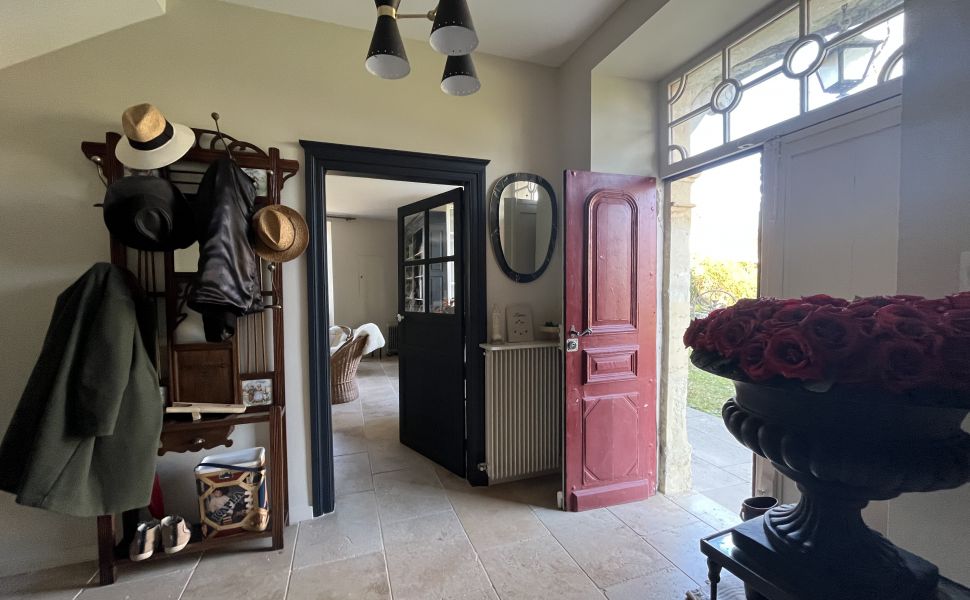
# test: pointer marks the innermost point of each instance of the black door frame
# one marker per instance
(360, 161)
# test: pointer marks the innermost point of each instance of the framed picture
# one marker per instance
(257, 392)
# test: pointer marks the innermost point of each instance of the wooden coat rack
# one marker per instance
(260, 357)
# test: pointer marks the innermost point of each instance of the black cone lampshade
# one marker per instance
(453, 32)
(460, 78)
(386, 57)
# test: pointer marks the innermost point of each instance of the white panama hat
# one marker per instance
(150, 141)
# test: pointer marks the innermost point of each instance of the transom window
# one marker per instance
(809, 55)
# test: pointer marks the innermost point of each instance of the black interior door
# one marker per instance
(431, 344)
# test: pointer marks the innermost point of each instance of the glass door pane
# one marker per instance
(441, 287)
(414, 288)
(441, 231)
(414, 236)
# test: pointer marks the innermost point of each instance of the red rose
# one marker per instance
(955, 362)
(733, 334)
(791, 355)
(833, 330)
(752, 359)
(877, 301)
(856, 367)
(935, 307)
(961, 300)
(903, 365)
(716, 321)
(904, 321)
(824, 300)
(907, 298)
(695, 333)
(956, 322)
(788, 316)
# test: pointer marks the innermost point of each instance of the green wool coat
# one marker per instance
(84, 437)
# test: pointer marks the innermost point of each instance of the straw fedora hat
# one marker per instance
(281, 234)
(150, 141)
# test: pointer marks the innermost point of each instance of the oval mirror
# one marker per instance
(523, 221)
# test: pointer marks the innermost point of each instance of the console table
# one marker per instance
(722, 553)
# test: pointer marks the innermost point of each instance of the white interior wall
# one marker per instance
(934, 229)
(274, 79)
(364, 272)
(623, 127)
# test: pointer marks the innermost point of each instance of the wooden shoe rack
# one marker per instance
(216, 370)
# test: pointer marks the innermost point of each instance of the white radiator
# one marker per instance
(523, 410)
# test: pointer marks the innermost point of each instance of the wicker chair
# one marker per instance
(343, 371)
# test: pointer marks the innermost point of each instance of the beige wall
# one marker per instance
(623, 126)
(364, 272)
(275, 80)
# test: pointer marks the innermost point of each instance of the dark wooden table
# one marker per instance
(721, 554)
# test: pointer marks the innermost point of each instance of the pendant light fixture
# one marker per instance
(460, 78)
(386, 57)
(452, 34)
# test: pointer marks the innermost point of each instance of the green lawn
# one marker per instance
(706, 392)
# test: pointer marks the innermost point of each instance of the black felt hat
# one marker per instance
(148, 213)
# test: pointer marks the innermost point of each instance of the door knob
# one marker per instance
(400, 317)
(583, 333)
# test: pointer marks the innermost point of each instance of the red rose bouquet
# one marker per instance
(899, 342)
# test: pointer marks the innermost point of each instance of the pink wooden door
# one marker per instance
(610, 244)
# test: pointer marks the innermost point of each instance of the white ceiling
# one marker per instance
(29, 28)
(545, 32)
(675, 34)
(375, 198)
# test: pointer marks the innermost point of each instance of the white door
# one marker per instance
(830, 223)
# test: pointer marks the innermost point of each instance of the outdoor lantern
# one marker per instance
(846, 65)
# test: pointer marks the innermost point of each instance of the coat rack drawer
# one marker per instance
(207, 373)
(193, 440)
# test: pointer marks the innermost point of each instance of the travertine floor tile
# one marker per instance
(166, 586)
(409, 493)
(710, 512)
(58, 583)
(606, 549)
(493, 520)
(667, 584)
(431, 557)
(359, 578)
(682, 547)
(353, 529)
(351, 474)
(653, 514)
(537, 570)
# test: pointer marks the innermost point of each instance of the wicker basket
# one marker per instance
(343, 371)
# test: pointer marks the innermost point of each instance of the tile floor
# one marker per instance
(405, 529)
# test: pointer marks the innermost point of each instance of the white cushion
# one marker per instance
(375, 339)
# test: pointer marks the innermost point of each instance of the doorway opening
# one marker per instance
(713, 262)
(467, 410)
(365, 296)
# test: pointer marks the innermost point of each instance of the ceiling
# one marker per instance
(375, 198)
(29, 28)
(543, 32)
(675, 34)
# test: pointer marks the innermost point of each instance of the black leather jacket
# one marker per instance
(227, 283)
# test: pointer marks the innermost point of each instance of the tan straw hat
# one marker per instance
(150, 141)
(281, 233)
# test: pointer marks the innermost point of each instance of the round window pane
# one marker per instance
(726, 96)
(804, 56)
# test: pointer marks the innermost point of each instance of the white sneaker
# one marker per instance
(175, 534)
(147, 537)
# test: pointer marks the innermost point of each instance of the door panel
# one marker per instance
(432, 363)
(610, 239)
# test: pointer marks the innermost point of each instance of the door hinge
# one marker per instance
(483, 467)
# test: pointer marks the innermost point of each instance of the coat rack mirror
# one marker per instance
(523, 222)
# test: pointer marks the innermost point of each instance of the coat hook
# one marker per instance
(99, 164)
(215, 117)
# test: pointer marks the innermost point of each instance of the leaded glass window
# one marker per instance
(808, 55)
